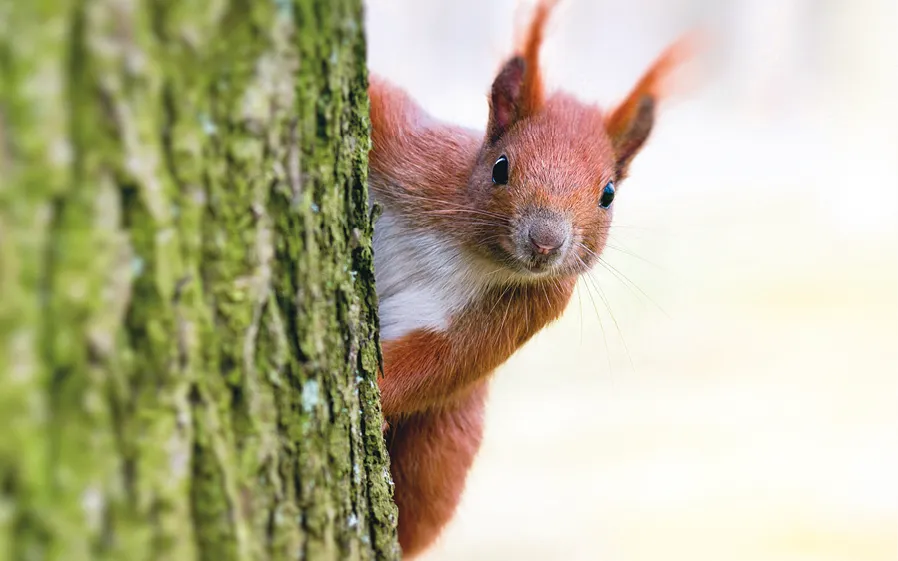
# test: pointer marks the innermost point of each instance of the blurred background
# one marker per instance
(724, 386)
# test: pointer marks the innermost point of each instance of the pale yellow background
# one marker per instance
(754, 418)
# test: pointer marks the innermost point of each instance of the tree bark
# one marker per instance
(188, 345)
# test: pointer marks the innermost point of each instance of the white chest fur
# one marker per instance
(422, 278)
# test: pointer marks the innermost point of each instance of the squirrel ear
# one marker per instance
(505, 97)
(630, 124)
(629, 127)
(518, 88)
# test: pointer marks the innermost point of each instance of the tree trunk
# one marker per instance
(188, 346)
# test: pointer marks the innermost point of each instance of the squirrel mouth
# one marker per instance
(540, 267)
(526, 264)
(535, 266)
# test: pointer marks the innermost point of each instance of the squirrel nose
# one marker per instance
(546, 237)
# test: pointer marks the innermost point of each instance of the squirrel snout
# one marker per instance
(548, 234)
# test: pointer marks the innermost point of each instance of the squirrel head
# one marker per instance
(552, 164)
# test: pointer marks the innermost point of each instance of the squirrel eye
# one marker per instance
(500, 171)
(607, 195)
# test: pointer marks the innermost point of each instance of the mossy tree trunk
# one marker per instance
(188, 350)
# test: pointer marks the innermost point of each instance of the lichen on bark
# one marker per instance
(188, 351)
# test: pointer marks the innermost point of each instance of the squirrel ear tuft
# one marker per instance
(631, 122)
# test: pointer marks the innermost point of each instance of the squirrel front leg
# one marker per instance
(431, 453)
(427, 369)
(417, 373)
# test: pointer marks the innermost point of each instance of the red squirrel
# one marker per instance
(480, 242)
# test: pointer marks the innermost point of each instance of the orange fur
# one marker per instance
(435, 181)
(533, 94)
(430, 455)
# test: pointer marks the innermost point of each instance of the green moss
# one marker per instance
(185, 248)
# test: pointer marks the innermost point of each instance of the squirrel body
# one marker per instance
(449, 316)
(479, 246)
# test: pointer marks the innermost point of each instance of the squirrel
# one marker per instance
(479, 244)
